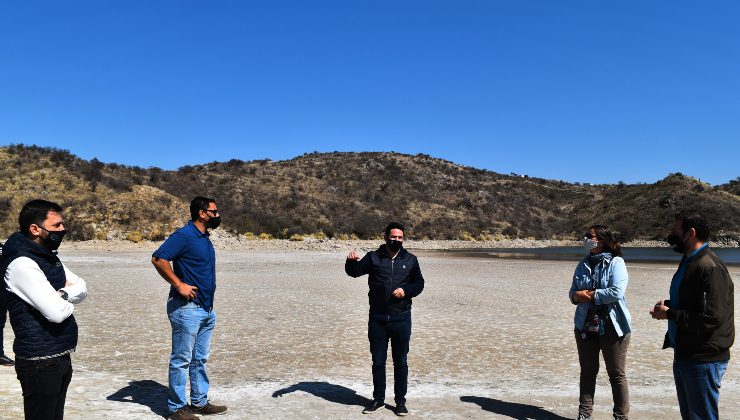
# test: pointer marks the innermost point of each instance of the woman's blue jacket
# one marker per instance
(609, 278)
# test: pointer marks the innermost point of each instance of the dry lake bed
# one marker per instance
(492, 338)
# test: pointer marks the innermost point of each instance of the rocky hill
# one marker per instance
(348, 194)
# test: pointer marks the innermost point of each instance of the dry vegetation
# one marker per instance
(100, 201)
(348, 195)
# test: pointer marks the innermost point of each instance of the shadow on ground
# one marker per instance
(330, 392)
(513, 410)
(148, 393)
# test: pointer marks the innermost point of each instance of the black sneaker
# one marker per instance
(6, 361)
(373, 407)
(401, 410)
(208, 409)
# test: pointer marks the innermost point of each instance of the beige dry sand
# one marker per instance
(492, 338)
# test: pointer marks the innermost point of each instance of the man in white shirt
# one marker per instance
(40, 293)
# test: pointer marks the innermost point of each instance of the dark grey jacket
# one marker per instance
(705, 318)
(385, 276)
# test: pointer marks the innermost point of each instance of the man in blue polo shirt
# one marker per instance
(192, 277)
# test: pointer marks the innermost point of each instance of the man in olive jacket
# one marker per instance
(701, 319)
(394, 278)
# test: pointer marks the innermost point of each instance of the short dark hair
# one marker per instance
(35, 212)
(691, 219)
(393, 225)
(199, 203)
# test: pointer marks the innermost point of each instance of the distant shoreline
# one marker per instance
(230, 242)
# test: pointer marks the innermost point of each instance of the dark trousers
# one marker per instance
(3, 315)
(614, 350)
(397, 329)
(44, 384)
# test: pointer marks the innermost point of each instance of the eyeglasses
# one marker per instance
(212, 211)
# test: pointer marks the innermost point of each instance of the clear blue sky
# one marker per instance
(587, 91)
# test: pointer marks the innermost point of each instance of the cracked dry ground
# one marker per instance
(492, 338)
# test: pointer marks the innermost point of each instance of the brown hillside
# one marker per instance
(349, 193)
(98, 205)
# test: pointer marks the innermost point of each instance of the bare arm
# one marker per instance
(164, 268)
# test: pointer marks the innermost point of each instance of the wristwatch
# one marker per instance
(65, 295)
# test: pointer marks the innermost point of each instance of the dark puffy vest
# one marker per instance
(35, 336)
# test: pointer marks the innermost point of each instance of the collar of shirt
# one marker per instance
(197, 231)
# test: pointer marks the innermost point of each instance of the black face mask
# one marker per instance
(393, 245)
(54, 238)
(676, 243)
(214, 222)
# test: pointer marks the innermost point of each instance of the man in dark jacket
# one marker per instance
(40, 293)
(701, 319)
(394, 278)
(4, 360)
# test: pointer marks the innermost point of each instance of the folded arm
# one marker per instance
(25, 279)
(76, 287)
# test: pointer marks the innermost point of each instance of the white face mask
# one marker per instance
(590, 244)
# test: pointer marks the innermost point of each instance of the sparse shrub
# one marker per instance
(101, 235)
(465, 236)
(296, 237)
(319, 235)
(347, 237)
(265, 236)
(249, 236)
(155, 235)
(135, 236)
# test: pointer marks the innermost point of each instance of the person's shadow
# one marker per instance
(513, 410)
(147, 392)
(330, 392)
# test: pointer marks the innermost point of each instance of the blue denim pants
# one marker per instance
(697, 387)
(192, 327)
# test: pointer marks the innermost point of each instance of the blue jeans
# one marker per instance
(192, 327)
(397, 329)
(697, 387)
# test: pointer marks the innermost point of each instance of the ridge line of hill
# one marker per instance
(349, 195)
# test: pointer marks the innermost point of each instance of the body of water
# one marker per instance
(731, 256)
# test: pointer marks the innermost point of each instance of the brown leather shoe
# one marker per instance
(183, 414)
(208, 409)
